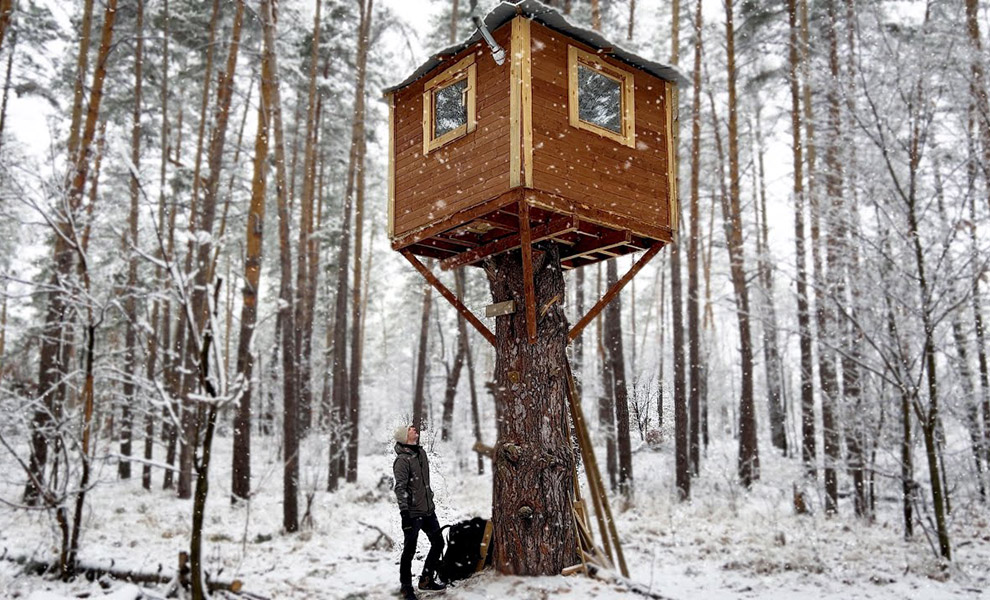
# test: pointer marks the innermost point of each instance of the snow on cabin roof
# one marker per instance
(544, 15)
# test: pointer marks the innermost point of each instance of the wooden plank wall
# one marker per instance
(464, 172)
(589, 169)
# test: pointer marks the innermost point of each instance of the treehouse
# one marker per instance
(532, 130)
(535, 135)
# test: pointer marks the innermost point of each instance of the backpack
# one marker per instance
(467, 550)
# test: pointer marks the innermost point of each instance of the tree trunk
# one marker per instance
(749, 460)
(795, 57)
(6, 12)
(419, 395)
(620, 393)
(6, 86)
(52, 362)
(304, 283)
(695, 332)
(771, 350)
(186, 331)
(978, 87)
(533, 461)
(358, 138)
(130, 302)
(454, 375)
(290, 419)
(254, 244)
(829, 285)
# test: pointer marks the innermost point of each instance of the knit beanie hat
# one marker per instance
(402, 434)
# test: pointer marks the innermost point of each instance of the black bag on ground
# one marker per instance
(463, 554)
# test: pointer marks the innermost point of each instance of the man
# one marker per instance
(412, 490)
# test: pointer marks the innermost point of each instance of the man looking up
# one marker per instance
(412, 491)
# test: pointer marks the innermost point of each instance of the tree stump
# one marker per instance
(533, 461)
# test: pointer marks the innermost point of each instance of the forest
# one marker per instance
(208, 336)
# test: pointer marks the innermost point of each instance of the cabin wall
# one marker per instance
(463, 173)
(586, 169)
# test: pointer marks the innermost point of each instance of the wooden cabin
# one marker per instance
(571, 139)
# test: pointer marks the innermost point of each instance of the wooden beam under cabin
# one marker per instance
(529, 287)
(446, 293)
(557, 226)
(614, 291)
(592, 245)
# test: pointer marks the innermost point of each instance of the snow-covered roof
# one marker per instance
(547, 16)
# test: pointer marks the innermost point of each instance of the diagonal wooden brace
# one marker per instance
(614, 291)
(446, 293)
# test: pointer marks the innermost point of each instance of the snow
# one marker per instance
(725, 543)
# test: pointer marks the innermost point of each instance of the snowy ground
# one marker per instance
(724, 544)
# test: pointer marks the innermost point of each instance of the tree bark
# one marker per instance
(533, 464)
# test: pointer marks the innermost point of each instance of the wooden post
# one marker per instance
(603, 511)
(526, 241)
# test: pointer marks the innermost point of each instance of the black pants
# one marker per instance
(410, 531)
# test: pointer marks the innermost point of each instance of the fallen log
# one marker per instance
(95, 572)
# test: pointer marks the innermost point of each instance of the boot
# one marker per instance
(407, 593)
(428, 582)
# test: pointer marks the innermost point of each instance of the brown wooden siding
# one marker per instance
(588, 169)
(465, 172)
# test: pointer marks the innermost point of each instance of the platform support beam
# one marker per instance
(529, 289)
(446, 293)
(614, 291)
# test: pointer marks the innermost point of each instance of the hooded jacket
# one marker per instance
(412, 480)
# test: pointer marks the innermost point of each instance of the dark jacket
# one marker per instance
(412, 480)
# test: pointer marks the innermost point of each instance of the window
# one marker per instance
(449, 105)
(601, 97)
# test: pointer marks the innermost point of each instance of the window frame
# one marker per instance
(576, 58)
(464, 69)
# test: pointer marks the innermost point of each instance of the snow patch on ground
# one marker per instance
(725, 543)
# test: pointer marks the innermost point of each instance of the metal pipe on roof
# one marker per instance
(497, 52)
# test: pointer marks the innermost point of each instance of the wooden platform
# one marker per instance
(586, 235)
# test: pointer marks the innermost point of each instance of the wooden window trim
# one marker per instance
(463, 69)
(576, 57)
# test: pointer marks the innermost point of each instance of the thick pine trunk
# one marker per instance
(534, 463)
